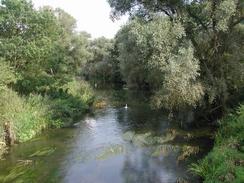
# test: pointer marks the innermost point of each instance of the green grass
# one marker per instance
(26, 116)
(30, 115)
(225, 163)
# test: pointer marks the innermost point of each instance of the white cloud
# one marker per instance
(92, 15)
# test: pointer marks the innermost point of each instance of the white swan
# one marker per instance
(90, 122)
(126, 107)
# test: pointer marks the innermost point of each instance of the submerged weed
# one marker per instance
(43, 152)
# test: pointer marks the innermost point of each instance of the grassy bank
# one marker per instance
(225, 163)
(23, 117)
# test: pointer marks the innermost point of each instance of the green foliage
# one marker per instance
(40, 54)
(157, 54)
(133, 51)
(26, 34)
(6, 75)
(71, 102)
(188, 52)
(101, 67)
(42, 46)
(80, 89)
(225, 162)
(27, 117)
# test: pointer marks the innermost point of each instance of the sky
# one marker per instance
(92, 15)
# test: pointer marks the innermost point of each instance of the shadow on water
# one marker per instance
(114, 144)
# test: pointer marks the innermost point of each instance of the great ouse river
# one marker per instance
(110, 145)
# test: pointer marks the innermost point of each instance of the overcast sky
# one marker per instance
(92, 15)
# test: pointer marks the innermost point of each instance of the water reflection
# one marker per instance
(140, 167)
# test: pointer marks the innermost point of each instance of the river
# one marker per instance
(110, 145)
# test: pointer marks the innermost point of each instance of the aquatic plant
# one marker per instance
(15, 174)
(110, 151)
(187, 151)
(163, 145)
(164, 150)
(43, 152)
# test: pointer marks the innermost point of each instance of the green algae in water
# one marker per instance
(146, 139)
(164, 150)
(110, 151)
(21, 169)
(188, 151)
(160, 145)
(25, 172)
(43, 152)
(142, 139)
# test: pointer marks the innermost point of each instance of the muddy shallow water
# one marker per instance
(111, 145)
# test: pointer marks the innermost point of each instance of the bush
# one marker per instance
(225, 163)
(26, 116)
(81, 90)
(67, 109)
(71, 102)
(6, 75)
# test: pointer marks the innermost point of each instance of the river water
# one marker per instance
(110, 145)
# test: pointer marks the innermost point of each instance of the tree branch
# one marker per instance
(196, 18)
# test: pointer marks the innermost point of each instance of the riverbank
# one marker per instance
(225, 162)
(23, 117)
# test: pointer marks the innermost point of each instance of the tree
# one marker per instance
(157, 54)
(99, 67)
(41, 45)
(26, 42)
(210, 41)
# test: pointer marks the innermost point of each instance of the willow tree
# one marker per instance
(203, 62)
(99, 65)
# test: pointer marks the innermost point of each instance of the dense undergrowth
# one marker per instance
(27, 116)
(71, 102)
(225, 163)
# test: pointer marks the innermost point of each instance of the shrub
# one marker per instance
(81, 90)
(26, 116)
(71, 102)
